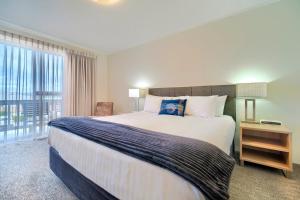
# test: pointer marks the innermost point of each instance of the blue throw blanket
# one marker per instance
(201, 163)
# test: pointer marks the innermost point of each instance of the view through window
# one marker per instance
(30, 91)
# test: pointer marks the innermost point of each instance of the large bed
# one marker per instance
(94, 171)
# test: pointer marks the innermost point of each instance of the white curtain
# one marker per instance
(30, 91)
(40, 81)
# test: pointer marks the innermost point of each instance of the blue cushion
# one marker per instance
(173, 107)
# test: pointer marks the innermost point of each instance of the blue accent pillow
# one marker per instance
(173, 107)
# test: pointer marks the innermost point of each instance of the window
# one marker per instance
(30, 91)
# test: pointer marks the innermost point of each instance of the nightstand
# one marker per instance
(269, 145)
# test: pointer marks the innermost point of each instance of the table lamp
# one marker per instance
(251, 92)
(137, 93)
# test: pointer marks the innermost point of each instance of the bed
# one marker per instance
(95, 171)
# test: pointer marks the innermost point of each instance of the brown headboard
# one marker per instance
(229, 90)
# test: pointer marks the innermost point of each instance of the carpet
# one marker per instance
(25, 175)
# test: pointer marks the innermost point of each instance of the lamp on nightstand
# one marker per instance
(137, 93)
(251, 92)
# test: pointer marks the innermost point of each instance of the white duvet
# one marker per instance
(128, 178)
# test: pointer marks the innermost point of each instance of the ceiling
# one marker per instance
(113, 28)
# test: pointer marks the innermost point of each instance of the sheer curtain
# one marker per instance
(40, 81)
(31, 84)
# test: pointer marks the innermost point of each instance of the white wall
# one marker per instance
(101, 79)
(259, 45)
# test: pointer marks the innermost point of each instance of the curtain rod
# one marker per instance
(12, 36)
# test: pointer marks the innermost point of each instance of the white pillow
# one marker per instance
(168, 98)
(220, 105)
(173, 98)
(201, 106)
(182, 97)
(152, 103)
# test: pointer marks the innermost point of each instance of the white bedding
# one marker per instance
(128, 178)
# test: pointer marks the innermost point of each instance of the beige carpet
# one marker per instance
(262, 183)
(24, 174)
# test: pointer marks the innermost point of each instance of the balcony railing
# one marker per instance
(25, 118)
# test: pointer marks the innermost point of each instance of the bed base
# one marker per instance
(82, 187)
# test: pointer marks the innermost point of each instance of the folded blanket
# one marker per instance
(201, 163)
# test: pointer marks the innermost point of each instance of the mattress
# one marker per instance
(126, 177)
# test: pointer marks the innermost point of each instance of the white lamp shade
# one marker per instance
(136, 93)
(255, 90)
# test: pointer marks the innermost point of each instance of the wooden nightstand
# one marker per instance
(269, 145)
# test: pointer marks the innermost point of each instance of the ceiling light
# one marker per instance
(106, 2)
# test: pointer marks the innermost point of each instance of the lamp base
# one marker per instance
(247, 117)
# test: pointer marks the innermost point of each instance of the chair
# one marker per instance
(104, 109)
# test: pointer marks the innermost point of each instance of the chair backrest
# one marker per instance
(104, 109)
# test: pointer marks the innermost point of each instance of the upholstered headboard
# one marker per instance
(229, 90)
